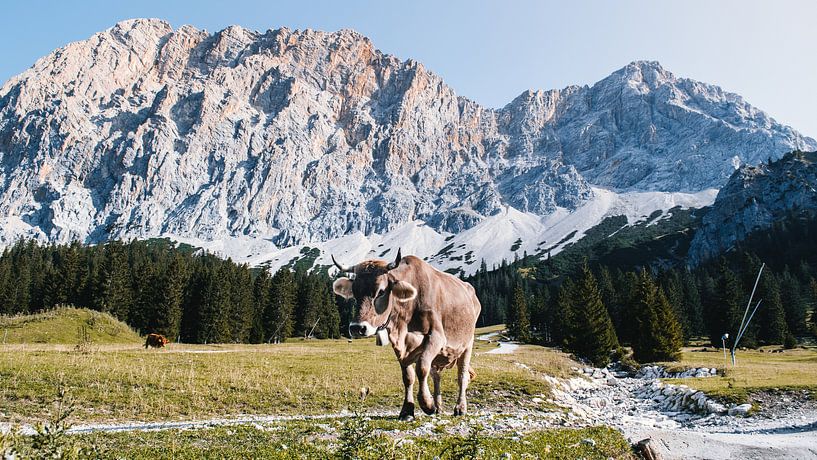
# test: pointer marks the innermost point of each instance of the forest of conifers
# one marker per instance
(194, 297)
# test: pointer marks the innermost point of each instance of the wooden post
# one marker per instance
(648, 450)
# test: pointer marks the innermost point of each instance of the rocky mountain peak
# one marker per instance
(298, 136)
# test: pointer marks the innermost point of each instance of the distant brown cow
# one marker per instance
(156, 341)
(428, 317)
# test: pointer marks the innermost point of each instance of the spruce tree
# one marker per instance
(330, 316)
(279, 315)
(169, 304)
(595, 337)
(240, 302)
(793, 302)
(659, 335)
(260, 295)
(214, 309)
(723, 311)
(692, 302)
(519, 322)
(563, 313)
(627, 290)
(674, 291)
(771, 314)
(117, 296)
(540, 315)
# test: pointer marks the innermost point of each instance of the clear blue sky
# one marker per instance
(492, 51)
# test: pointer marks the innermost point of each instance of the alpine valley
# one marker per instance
(288, 144)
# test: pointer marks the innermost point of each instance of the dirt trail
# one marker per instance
(680, 444)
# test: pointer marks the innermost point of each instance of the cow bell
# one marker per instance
(382, 337)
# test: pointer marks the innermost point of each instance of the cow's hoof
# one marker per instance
(427, 404)
(407, 412)
(459, 410)
(429, 410)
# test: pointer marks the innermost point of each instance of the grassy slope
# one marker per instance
(755, 370)
(62, 326)
(615, 244)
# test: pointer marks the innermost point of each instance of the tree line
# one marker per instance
(196, 297)
(185, 295)
(595, 310)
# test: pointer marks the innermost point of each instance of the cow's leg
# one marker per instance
(407, 412)
(438, 398)
(464, 376)
(434, 343)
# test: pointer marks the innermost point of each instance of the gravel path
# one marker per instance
(785, 427)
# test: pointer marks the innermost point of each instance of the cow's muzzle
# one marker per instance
(363, 329)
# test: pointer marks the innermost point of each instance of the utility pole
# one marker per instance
(744, 323)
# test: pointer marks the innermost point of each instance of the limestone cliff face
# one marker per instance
(298, 136)
(754, 199)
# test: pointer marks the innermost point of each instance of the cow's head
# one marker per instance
(377, 289)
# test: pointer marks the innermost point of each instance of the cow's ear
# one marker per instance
(343, 287)
(403, 291)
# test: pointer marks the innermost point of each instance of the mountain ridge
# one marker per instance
(295, 137)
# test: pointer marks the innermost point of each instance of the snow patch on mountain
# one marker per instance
(509, 234)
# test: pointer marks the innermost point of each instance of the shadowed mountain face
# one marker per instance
(754, 199)
(300, 136)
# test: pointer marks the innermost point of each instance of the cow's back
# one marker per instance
(453, 299)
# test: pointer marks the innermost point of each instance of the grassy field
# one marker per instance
(125, 382)
(755, 370)
(66, 326)
(117, 382)
(353, 438)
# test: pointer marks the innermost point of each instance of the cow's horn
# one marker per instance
(340, 267)
(396, 262)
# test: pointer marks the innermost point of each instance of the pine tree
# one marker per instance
(724, 307)
(279, 314)
(540, 314)
(771, 314)
(793, 302)
(674, 291)
(519, 322)
(240, 302)
(693, 306)
(117, 296)
(170, 299)
(563, 315)
(627, 290)
(214, 310)
(261, 296)
(330, 316)
(659, 335)
(595, 337)
(145, 297)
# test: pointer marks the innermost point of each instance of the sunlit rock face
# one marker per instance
(298, 136)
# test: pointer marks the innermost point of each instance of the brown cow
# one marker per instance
(428, 317)
(156, 341)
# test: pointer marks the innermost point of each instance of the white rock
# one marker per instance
(740, 410)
